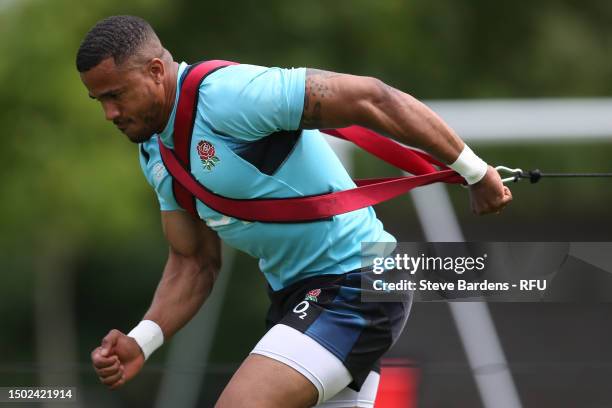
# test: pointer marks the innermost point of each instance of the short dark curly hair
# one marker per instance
(119, 37)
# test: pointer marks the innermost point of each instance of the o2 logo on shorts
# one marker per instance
(301, 309)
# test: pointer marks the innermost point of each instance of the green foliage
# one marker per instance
(434, 49)
(67, 173)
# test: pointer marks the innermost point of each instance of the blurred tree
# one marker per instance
(439, 49)
(69, 179)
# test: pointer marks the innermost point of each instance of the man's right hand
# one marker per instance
(117, 360)
(489, 195)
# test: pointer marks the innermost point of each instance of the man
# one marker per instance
(255, 136)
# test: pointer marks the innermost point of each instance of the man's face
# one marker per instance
(132, 98)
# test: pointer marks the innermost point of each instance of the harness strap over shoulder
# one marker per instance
(295, 209)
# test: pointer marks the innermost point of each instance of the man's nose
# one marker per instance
(111, 111)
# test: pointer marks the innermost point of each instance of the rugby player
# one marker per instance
(255, 136)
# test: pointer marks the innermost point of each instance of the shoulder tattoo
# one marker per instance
(317, 91)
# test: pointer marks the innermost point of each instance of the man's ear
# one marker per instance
(157, 70)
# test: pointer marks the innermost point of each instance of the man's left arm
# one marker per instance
(333, 100)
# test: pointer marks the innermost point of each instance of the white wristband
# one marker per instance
(148, 335)
(471, 167)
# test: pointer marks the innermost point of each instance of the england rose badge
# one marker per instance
(206, 151)
(313, 295)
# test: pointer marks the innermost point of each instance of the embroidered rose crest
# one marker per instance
(206, 151)
(313, 295)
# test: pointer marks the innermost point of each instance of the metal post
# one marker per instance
(473, 320)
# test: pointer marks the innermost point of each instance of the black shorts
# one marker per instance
(329, 309)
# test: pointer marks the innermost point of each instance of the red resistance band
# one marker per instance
(295, 209)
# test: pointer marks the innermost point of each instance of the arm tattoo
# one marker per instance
(317, 89)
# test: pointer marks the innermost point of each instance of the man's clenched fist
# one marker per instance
(489, 195)
(117, 360)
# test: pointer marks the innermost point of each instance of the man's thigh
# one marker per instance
(264, 382)
(349, 398)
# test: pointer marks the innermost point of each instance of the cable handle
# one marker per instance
(516, 174)
(535, 175)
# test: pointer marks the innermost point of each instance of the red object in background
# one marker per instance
(398, 387)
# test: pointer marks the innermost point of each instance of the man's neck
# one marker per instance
(170, 94)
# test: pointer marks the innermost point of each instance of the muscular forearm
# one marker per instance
(404, 118)
(184, 287)
(409, 121)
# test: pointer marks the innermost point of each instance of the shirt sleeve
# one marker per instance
(157, 176)
(249, 102)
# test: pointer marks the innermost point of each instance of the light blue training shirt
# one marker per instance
(246, 144)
